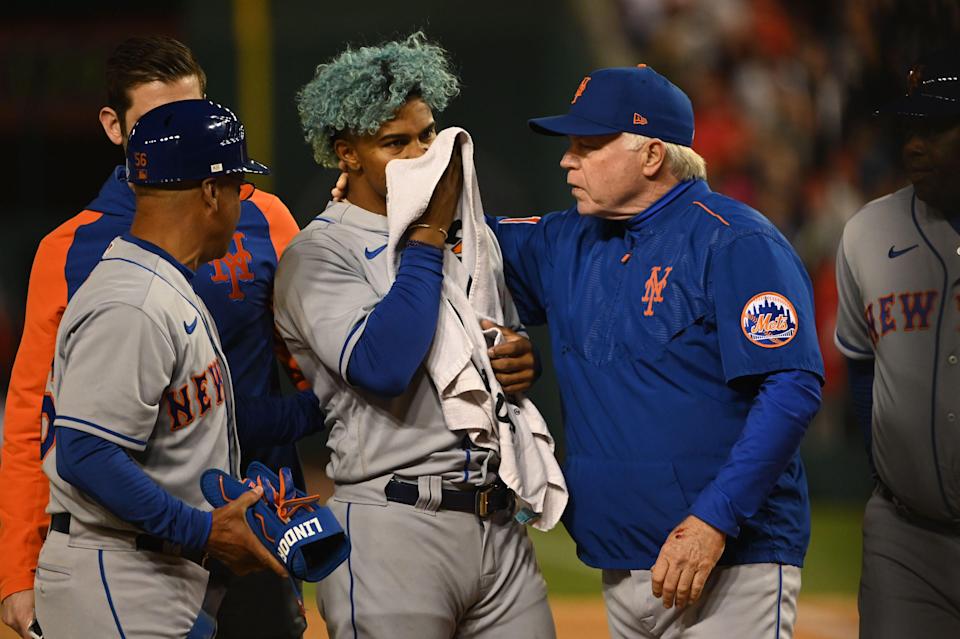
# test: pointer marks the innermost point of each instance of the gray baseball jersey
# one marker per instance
(445, 572)
(898, 275)
(137, 362)
(331, 276)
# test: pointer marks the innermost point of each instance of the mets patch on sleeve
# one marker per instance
(769, 320)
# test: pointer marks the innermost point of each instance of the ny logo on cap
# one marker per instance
(580, 89)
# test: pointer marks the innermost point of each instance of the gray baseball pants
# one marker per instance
(751, 601)
(414, 573)
(910, 581)
(85, 591)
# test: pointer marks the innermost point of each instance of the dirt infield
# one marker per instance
(821, 617)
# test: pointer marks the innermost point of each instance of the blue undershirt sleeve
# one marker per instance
(400, 328)
(860, 373)
(777, 421)
(272, 421)
(107, 474)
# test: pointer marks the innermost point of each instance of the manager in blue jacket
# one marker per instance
(683, 333)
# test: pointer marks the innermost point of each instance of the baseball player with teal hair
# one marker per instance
(436, 552)
(361, 89)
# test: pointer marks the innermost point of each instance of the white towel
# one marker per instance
(470, 396)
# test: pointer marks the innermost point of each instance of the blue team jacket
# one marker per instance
(237, 289)
(662, 327)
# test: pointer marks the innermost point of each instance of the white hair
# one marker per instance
(682, 161)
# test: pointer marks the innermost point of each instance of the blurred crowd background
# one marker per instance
(784, 93)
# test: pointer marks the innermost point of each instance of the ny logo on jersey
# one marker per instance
(654, 288)
(915, 308)
(234, 268)
(195, 398)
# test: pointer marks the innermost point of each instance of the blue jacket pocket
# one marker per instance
(621, 512)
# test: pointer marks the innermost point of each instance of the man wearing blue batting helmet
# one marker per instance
(142, 401)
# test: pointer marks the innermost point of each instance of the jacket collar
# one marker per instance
(115, 197)
(679, 197)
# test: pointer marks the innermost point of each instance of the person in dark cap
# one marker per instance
(687, 357)
(898, 278)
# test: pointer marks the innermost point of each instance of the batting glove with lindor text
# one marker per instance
(304, 535)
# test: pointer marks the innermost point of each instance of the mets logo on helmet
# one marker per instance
(769, 320)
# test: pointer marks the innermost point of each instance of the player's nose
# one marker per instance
(914, 145)
(417, 149)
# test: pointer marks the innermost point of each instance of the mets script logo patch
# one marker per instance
(769, 320)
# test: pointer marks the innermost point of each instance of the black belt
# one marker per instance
(942, 526)
(60, 522)
(482, 501)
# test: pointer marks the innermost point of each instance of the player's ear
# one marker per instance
(210, 193)
(652, 157)
(346, 150)
(110, 122)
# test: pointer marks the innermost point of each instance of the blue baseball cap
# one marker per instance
(625, 99)
(188, 140)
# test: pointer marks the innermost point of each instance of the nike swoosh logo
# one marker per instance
(191, 326)
(895, 253)
(375, 252)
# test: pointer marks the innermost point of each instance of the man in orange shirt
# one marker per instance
(144, 73)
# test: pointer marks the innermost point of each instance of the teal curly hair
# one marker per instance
(362, 88)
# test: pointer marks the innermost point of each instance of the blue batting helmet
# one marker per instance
(187, 140)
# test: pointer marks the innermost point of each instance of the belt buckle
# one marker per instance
(483, 501)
